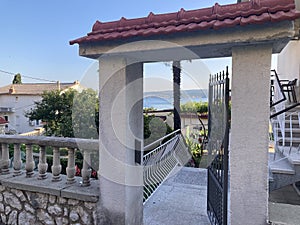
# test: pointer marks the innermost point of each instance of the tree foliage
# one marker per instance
(201, 107)
(17, 79)
(154, 129)
(67, 114)
(85, 114)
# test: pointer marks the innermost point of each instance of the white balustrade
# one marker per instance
(43, 165)
(56, 143)
(5, 159)
(86, 170)
(56, 167)
(71, 166)
(29, 166)
(17, 160)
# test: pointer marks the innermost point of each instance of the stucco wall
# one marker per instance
(21, 104)
(289, 61)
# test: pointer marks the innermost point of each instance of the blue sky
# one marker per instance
(35, 35)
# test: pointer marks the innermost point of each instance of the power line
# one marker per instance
(29, 77)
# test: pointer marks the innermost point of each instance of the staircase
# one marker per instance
(284, 163)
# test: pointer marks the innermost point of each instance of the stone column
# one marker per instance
(120, 133)
(249, 135)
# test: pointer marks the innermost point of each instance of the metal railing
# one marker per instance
(276, 128)
(160, 162)
(86, 147)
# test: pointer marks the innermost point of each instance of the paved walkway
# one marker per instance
(180, 200)
(284, 206)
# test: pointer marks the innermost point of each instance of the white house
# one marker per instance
(16, 99)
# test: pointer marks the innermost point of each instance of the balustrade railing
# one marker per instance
(162, 160)
(86, 146)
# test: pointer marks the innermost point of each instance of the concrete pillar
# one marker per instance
(249, 135)
(120, 134)
(297, 3)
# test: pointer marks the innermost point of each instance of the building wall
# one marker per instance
(289, 64)
(21, 104)
(26, 207)
(289, 61)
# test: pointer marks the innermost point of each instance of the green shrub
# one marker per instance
(200, 107)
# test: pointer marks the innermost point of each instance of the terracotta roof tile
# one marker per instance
(32, 88)
(215, 17)
(3, 121)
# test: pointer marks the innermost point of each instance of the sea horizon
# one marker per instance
(161, 100)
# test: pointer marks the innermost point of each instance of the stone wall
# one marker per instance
(27, 207)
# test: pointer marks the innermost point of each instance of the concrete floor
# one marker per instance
(182, 200)
(284, 206)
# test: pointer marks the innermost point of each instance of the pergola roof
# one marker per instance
(216, 17)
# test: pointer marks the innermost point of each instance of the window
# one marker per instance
(6, 118)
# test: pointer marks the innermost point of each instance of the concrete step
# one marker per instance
(295, 132)
(280, 165)
(292, 154)
(295, 141)
(294, 121)
(271, 178)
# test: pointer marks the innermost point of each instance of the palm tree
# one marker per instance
(176, 66)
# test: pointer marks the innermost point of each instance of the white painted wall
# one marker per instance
(21, 104)
(289, 61)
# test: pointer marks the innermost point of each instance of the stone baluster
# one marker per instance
(56, 167)
(43, 166)
(5, 159)
(17, 160)
(71, 166)
(1, 159)
(86, 170)
(29, 166)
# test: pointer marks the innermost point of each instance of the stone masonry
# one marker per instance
(26, 207)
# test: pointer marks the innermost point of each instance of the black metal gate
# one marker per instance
(218, 138)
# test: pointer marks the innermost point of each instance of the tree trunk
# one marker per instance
(176, 66)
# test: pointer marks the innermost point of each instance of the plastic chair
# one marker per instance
(289, 88)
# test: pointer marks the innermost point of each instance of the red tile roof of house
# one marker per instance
(33, 88)
(216, 17)
(3, 121)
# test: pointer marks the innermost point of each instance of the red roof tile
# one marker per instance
(32, 88)
(3, 121)
(216, 17)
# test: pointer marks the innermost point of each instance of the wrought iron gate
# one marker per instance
(218, 138)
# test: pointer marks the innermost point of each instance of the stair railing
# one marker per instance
(275, 129)
(160, 162)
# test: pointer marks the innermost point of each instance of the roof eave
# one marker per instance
(218, 42)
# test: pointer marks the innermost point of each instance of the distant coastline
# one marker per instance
(164, 99)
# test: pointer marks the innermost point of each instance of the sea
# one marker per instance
(164, 99)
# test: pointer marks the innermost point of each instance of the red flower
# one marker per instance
(78, 172)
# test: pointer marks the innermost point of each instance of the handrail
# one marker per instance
(87, 144)
(148, 147)
(159, 163)
(284, 110)
(281, 90)
(86, 147)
